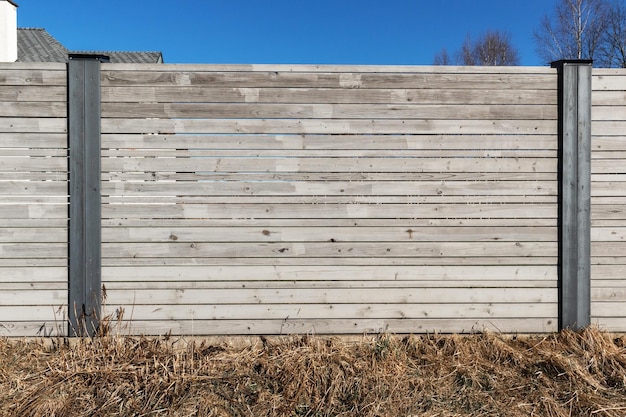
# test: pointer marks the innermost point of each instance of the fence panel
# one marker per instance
(33, 199)
(285, 199)
(608, 203)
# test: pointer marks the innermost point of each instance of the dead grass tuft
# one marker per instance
(566, 374)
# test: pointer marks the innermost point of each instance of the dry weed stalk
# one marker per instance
(565, 374)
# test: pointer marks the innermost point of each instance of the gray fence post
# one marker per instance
(84, 176)
(574, 193)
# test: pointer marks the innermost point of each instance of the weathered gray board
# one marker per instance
(575, 193)
(85, 203)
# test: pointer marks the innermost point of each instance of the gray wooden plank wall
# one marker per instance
(329, 199)
(33, 199)
(608, 200)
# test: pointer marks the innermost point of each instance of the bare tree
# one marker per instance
(493, 48)
(612, 50)
(442, 58)
(574, 31)
(465, 55)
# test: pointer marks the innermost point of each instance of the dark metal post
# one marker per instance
(84, 178)
(575, 193)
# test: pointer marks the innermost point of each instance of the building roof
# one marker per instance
(37, 45)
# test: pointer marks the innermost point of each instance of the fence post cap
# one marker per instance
(561, 62)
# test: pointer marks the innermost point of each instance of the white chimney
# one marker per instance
(8, 31)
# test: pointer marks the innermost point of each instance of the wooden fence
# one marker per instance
(33, 199)
(305, 199)
(608, 215)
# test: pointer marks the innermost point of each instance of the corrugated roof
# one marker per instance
(37, 45)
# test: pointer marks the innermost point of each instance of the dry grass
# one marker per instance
(565, 374)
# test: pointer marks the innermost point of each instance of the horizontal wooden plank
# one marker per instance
(609, 223)
(609, 324)
(33, 140)
(608, 71)
(203, 176)
(35, 109)
(324, 311)
(419, 69)
(608, 82)
(282, 164)
(32, 262)
(33, 94)
(33, 76)
(196, 94)
(310, 222)
(616, 282)
(608, 166)
(40, 314)
(33, 297)
(610, 200)
(27, 164)
(608, 155)
(38, 286)
(607, 113)
(34, 199)
(32, 329)
(596, 179)
(33, 275)
(599, 309)
(324, 234)
(331, 211)
(33, 211)
(607, 212)
(464, 142)
(30, 152)
(314, 111)
(613, 190)
(608, 128)
(607, 260)
(608, 234)
(607, 98)
(318, 199)
(347, 261)
(334, 296)
(33, 250)
(609, 295)
(49, 66)
(33, 176)
(609, 248)
(304, 249)
(317, 153)
(607, 143)
(36, 125)
(332, 274)
(25, 235)
(33, 188)
(320, 284)
(43, 222)
(313, 126)
(401, 188)
(356, 326)
(291, 79)
(608, 272)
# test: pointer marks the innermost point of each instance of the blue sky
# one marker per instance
(386, 32)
